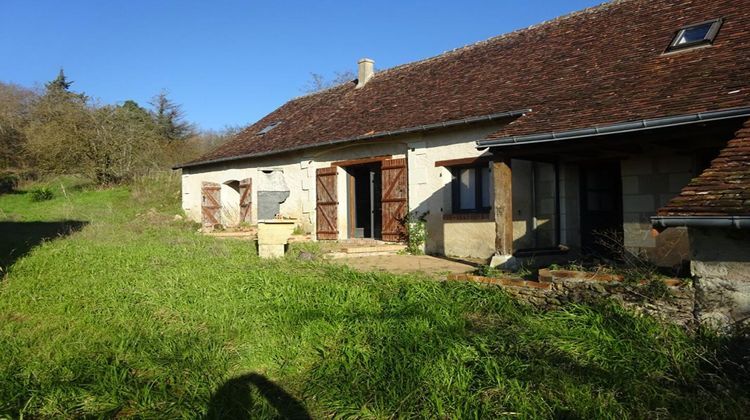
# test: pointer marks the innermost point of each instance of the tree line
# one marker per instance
(56, 130)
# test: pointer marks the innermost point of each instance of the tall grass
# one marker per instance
(138, 316)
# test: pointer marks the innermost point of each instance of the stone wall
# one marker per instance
(720, 263)
(648, 183)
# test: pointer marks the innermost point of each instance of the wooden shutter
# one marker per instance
(246, 200)
(326, 210)
(210, 203)
(394, 199)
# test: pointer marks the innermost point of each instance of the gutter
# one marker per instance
(618, 128)
(408, 130)
(738, 222)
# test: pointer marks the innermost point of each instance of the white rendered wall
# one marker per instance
(299, 174)
(429, 186)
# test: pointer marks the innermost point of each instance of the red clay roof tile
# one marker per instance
(722, 189)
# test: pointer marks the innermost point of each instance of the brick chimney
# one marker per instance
(366, 70)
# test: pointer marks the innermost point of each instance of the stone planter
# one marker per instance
(273, 235)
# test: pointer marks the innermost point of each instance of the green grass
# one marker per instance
(137, 315)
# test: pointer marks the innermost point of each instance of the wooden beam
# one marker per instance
(351, 207)
(376, 159)
(503, 206)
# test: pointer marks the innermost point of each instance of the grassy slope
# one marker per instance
(136, 315)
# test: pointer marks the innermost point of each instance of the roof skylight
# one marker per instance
(695, 35)
(268, 128)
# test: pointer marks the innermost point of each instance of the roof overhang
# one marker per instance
(407, 130)
(617, 128)
(728, 221)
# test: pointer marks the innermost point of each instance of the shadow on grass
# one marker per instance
(233, 400)
(18, 238)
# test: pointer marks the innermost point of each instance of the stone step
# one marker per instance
(374, 248)
(338, 255)
(244, 234)
(300, 238)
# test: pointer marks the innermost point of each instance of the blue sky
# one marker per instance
(231, 62)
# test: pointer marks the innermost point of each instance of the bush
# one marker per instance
(416, 233)
(42, 194)
(8, 182)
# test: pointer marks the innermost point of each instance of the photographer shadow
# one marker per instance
(233, 400)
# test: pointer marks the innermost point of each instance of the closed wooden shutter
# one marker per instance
(326, 210)
(210, 203)
(394, 198)
(246, 200)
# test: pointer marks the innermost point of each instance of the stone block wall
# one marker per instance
(720, 264)
(648, 183)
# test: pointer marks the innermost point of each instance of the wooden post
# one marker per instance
(501, 181)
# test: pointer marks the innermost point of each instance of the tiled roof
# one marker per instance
(599, 66)
(723, 188)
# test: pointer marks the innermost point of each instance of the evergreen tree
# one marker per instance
(170, 119)
(60, 83)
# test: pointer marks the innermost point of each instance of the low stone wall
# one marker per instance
(557, 288)
(721, 265)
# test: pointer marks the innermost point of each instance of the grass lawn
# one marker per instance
(111, 308)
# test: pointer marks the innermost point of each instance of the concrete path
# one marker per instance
(403, 264)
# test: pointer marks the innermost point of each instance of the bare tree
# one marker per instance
(319, 82)
(15, 110)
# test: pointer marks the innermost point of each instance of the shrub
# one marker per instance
(42, 194)
(8, 182)
(416, 231)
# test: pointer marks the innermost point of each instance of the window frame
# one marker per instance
(456, 188)
(708, 39)
(268, 128)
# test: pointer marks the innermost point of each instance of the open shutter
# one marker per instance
(246, 200)
(210, 203)
(327, 204)
(394, 199)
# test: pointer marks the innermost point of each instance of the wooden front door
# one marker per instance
(394, 201)
(246, 200)
(210, 203)
(326, 210)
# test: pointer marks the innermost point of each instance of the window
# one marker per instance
(471, 189)
(268, 128)
(695, 35)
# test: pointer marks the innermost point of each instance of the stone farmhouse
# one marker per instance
(626, 121)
